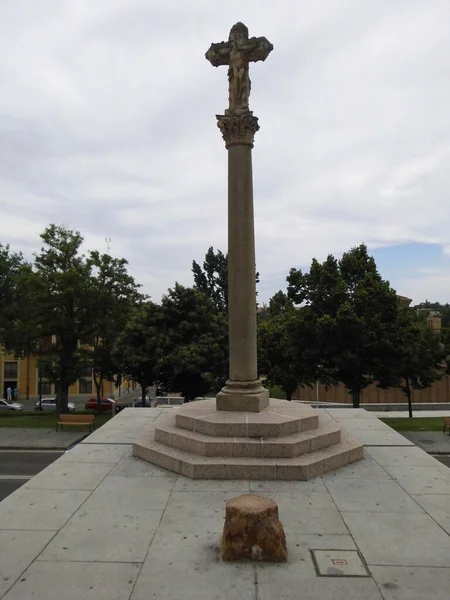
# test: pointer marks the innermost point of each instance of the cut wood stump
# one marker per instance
(253, 530)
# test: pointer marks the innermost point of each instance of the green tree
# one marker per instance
(351, 309)
(212, 279)
(137, 349)
(194, 343)
(66, 300)
(416, 357)
(286, 345)
(11, 265)
(114, 295)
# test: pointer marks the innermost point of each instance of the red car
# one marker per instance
(107, 404)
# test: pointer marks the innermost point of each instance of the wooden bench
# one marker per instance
(77, 420)
(446, 424)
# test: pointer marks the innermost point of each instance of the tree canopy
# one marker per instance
(73, 298)
(352, 310)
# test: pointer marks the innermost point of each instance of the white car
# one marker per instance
(5, 405)
(50, 404)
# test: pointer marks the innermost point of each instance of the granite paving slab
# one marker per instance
(120, 534)
(122, 431)
(30, 508)
(437, 506)
(366, 469)
(377, 437)
(433, 479)
(70, 476)
(412, 583)
(95, 453)
(299, 581)
(75, 581)
(139, 412)
(371, 495)
(130, 466)
(409, 456)
(232, 486)
(399, 539)
(188, 565)
(132, 492)
(17, 550)
(269, 487)
(195, 511)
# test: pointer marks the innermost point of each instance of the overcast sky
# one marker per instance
(107, 125)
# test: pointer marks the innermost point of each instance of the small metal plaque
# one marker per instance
(339, 563)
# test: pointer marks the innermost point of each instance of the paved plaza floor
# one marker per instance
(100, 524)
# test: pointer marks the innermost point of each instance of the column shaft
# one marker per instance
(241, 265)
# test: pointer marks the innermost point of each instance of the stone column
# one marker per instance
(243, 391)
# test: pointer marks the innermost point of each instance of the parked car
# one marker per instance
(138, 401)
(50, 404)
(5, 405)
(107, 404)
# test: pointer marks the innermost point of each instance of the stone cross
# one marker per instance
(243, 391)
(237, 53)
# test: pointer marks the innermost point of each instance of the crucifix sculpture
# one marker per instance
(237, 53)
(243, 391)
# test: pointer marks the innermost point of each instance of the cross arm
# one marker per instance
(258, 48)
(218, 54)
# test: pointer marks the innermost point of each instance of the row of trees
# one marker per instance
(342, 323)
(338, 322)
(99, 320)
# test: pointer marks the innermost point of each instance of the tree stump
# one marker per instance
(252, 530)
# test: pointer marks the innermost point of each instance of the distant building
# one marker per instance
(23, 374)
(439, 391)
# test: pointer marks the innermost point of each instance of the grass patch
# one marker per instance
(41, 420)
(416, 424)
(275, 391)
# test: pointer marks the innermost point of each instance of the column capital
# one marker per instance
(238, 128)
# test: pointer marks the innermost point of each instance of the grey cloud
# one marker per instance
(107, 123)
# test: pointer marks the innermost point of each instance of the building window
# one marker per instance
(85, 386)
(46, 388)
(11, 369)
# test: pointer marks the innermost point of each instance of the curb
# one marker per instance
(35, 448)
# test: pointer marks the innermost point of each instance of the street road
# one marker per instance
(443, 458)
(18, 466)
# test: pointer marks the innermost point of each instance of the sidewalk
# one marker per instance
(37, 439)
(385, 521)
(433, 442)
(403, 414)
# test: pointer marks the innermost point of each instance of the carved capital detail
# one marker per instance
(238, 129)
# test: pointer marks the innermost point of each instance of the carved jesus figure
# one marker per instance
(237, 53)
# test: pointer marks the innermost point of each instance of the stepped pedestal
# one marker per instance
(284, 441)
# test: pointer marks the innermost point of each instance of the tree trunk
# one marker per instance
(356, 395)
(63, 398)
(409, 396)
(144, 392)
(98, 388)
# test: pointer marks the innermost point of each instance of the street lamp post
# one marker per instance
(40, 387)
(317, 385)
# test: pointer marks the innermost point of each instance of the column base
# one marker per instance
(243, 396)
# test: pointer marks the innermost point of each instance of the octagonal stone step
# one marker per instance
(279, 419)
(258, 447)
(210, 467)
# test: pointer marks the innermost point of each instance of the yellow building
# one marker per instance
(23, 375)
